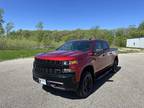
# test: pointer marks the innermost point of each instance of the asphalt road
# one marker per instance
(125, 89)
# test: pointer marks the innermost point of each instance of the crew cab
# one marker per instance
(75, 65)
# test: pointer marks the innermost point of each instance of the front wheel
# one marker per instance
(86, 85)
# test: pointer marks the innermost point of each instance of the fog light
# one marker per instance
(67, 70)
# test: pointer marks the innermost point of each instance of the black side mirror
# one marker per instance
(98, 52)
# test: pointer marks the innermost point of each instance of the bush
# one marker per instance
(7, 43)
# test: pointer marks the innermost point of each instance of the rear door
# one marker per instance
(106, 54)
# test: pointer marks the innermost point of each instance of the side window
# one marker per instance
(105, 45)
(98, 45)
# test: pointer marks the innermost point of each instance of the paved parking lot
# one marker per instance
(125, 89)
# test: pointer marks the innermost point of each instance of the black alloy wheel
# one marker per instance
(86, 85)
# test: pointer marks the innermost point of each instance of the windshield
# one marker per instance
(75, 45)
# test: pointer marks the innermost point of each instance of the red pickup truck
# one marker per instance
(74, 65)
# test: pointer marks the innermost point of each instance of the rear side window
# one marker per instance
(105, 45)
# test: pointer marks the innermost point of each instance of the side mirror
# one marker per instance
(98, 52)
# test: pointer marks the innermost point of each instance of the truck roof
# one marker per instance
(87, 40)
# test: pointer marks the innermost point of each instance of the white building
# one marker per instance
(135, 42)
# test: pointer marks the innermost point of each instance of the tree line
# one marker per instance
(40, 38)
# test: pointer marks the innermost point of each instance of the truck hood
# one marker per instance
(59, 55)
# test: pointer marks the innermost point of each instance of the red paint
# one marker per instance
(81, 57)
(59, 55)
(84, 59)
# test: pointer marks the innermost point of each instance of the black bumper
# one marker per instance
(65, 81)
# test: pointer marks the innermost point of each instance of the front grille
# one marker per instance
(49, 64)
(44, 71)
(46, 67)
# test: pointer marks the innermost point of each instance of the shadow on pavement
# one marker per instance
(72, 95)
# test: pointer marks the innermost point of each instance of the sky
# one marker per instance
(73, 14)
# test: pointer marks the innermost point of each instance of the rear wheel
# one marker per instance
(114, 66)
(86, 85)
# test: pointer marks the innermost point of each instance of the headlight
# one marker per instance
(70, 62)
(66, 63)
(73, 62)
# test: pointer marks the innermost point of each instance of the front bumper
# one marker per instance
(65, 81)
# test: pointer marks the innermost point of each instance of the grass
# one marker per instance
(13, 54)
(130, 50)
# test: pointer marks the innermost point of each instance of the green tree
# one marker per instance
(9, 27)
(40, 32)
(40, 26)
(141, 26)
(1, 21)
